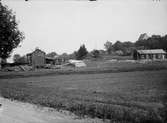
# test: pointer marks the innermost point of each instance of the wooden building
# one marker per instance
(36, 58)
(152, 54)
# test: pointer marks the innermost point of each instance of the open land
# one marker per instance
(93, 67)
(134, 96)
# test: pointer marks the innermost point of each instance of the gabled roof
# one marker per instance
(36, 50)
(153, 51)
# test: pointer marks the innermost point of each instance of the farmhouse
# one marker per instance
(36, 58)
(153, 54)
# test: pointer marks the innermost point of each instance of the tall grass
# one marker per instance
(134, 97)
(125, 113)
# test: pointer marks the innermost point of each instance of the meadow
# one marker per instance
(93, 67)
(132, 97)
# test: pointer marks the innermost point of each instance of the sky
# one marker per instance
(64, 25)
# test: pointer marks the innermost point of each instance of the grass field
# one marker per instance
(93, 67)
(138, 96)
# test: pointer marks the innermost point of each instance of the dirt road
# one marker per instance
(17, 112)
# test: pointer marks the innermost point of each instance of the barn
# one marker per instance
(152, 54)
(36, 58)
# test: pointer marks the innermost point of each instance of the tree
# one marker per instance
(64, 55)
(128, 48)
(154, 42)
(10, 36)
(72, 55)
(135, 54)
(95, 54)
(16, 58)
(118, 45)
(19, 59)
(164, 42)
(108, 47)
(23, 59)
(81, 53)
(51, 54)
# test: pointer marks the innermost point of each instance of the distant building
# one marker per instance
(36, 58)
(50, 60)
(153, 54)
(57, 60)
(62, 59)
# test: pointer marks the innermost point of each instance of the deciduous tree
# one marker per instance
(108, 47)
(95, 54)
(51, 54)
(10, 36)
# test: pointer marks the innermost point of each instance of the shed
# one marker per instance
(50, 60)
(152, 54)
(57, 60)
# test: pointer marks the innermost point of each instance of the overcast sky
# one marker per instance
(63, 25)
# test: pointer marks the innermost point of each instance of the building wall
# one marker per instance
(29, 59)
(59, 61)
(151, 56)
(38, 59)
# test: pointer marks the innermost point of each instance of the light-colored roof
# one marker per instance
(153, 51)
(75, 61)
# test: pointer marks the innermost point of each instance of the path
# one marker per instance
(17, 112)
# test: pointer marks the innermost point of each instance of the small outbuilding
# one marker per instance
(152, 54)
(57, 60)
(36, 58)
(50, 60)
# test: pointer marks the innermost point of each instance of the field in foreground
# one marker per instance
(139, 96)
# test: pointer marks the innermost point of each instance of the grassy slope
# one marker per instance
(127, 96)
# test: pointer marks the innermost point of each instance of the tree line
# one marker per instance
(153, 42)
(126, 48)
